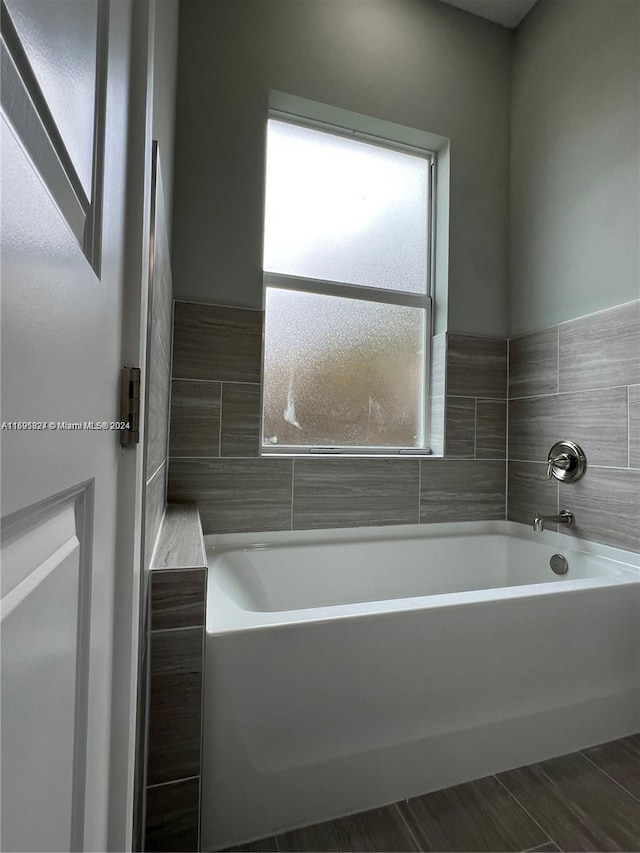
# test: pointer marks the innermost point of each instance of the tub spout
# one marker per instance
(565, 517)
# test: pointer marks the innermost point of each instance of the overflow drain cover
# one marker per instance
(559, 564)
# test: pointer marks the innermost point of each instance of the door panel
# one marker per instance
(54, 77)
(59, 38)
(62, 338)
(44, 615)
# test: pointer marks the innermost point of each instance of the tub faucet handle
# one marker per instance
(562, 461)
(566, 461)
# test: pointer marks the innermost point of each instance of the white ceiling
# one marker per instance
(509, 13)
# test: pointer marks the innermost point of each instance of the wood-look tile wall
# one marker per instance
(215, 434)
(175, 709)
(437, 393)
(173, 814)
(580, 381)
(476, 401)
(177, 606)
(156, 375)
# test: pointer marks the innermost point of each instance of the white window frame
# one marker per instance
(362, 293)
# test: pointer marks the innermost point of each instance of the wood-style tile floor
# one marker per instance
(585, 801)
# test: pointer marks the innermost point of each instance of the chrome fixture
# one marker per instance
(559, 564)
(566, 462)
(565, 517)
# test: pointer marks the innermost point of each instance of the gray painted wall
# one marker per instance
(575, 161)
(418, 63)
(165, 69)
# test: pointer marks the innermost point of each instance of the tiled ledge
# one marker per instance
(180, 541)
(176, 640)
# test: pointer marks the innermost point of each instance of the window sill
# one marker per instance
(426, 454)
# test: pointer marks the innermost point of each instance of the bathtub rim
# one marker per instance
(222, 542)
(224, 616)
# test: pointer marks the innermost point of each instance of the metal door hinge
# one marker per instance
(130, 405)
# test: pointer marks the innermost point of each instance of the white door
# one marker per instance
(65, 93)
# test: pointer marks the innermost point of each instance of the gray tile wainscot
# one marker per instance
(579, 381)
(215, 434)
(596, 405)
(177, 608)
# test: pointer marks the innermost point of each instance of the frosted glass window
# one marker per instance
(340, 209)
(342, 372)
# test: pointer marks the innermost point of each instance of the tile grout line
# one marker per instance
(146, 701)
(558, 359)
(593, 467)
(406, 823)
(611, 778)
(557, 482)
(165, 569)
(478, 337)
(498, 457)
(475, 428)
(293, 479)
(200, 627)
(167, 444)
(530, 816)
(426, 459)
(220, 424)
(217, 381)
(174, 781)
(562, 393)
(177, 302)
(506, 435)
(628, 427)
(200, 801)
(202, 677)
(487, 398)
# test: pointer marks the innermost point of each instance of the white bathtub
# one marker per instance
(349, 669)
